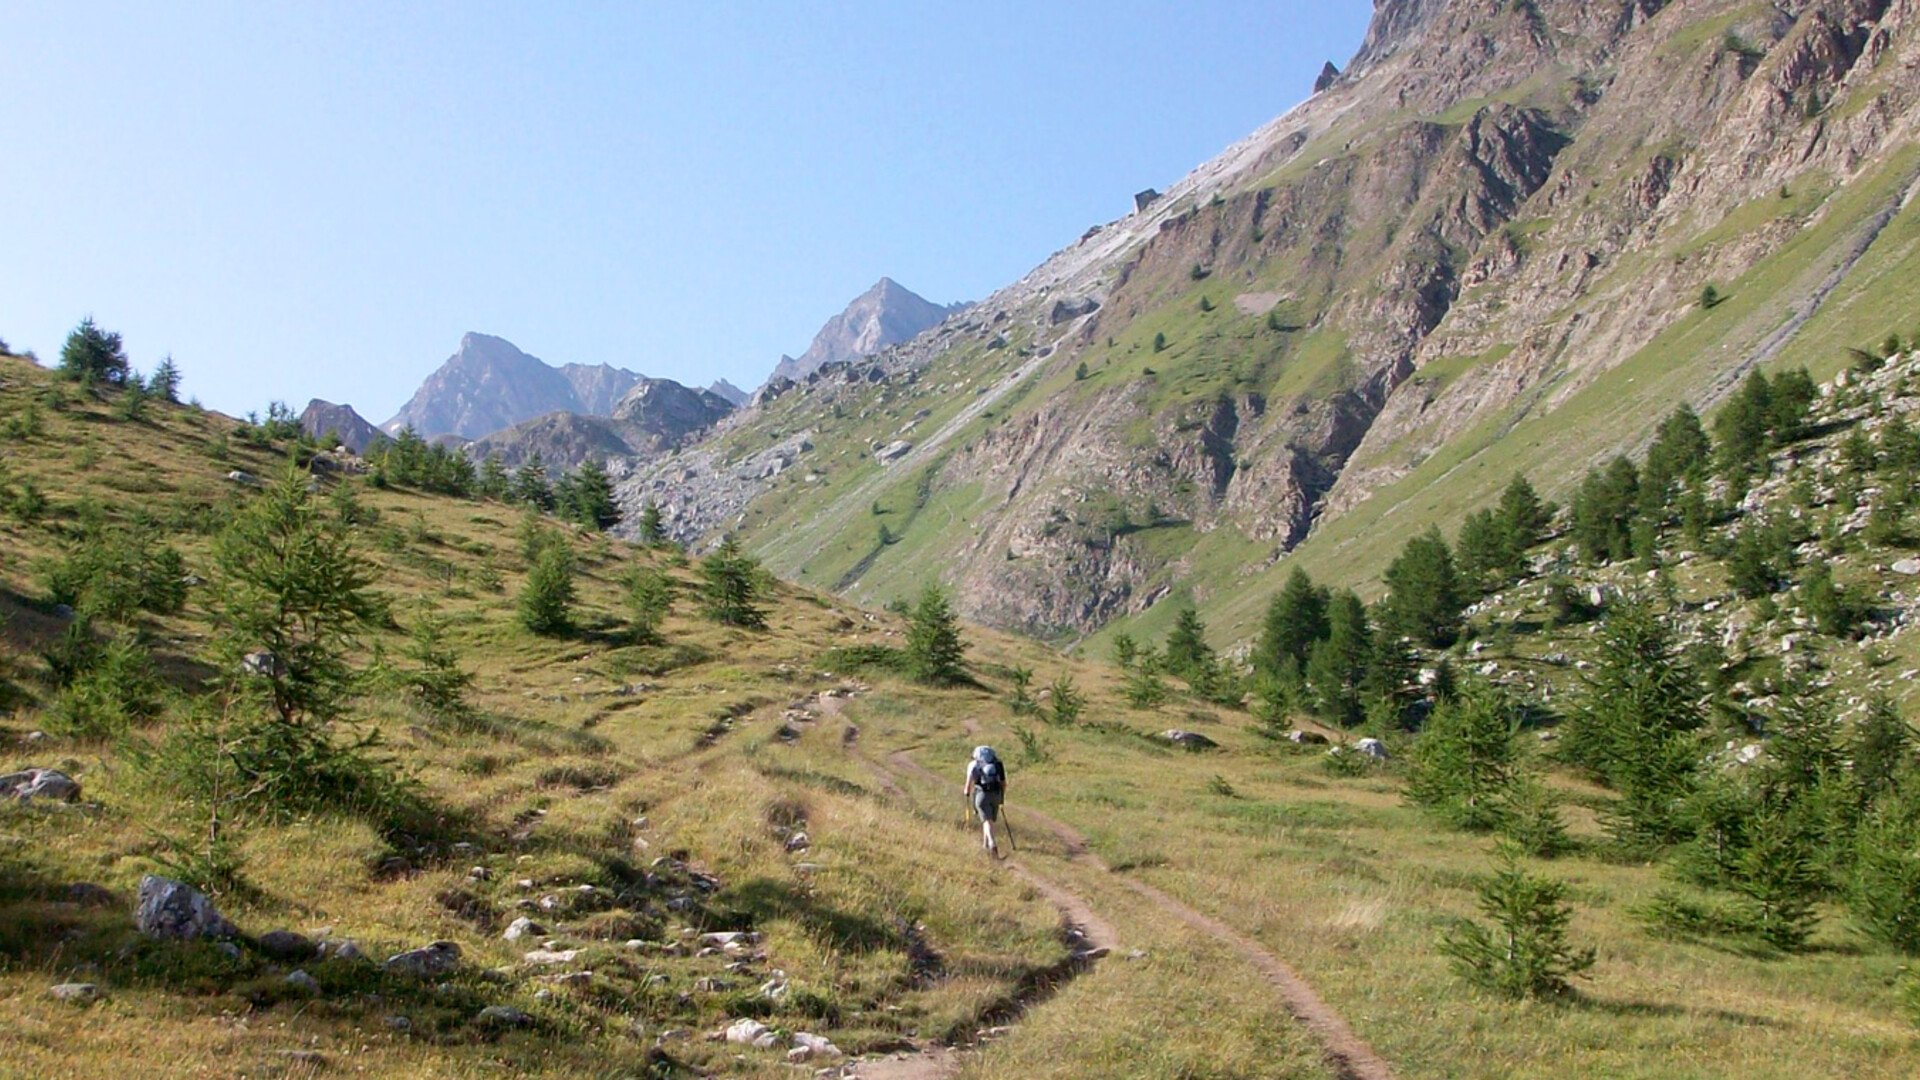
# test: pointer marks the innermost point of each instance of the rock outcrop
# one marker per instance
(652, 418)
(354, 431)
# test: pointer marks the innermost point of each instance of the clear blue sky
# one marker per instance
(317, 200)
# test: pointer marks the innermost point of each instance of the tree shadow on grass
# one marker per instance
(1657, 1009)
(761, 899)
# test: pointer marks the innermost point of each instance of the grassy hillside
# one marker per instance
(586, 759)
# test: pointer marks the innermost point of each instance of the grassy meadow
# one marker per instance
(633, 797)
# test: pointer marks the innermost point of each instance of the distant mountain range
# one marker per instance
(488, 385)
(887, 314)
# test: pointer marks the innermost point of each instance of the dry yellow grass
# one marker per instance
(892, 926)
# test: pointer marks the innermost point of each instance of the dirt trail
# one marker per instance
(1351, 1058)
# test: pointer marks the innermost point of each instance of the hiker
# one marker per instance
(987, 784)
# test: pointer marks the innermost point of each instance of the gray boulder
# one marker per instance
(1306, 738)
(428, 962)
(523, 927)
(302, 982)
(502, 1016)
(1372, 747)
(1191, 740)
(170, 909)
(77, 993)
(39, 784)
(286, 945)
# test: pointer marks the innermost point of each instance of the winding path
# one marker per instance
(1350, 1057)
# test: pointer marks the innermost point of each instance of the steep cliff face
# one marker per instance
(1479, 250)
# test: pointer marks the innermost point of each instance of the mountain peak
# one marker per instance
(489, 384)
(886, 314)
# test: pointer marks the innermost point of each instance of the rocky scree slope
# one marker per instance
(1483, 249)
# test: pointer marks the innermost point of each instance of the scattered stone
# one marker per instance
(63, 612)
(306, 1057)
(751, 1033)
(549, 957)
(1306, 738)
(1908, 566)
(285, 945)
(1191, 740)
(77, 993)
(30, 784)
(303, 982)
(347, 950)
(480, 873)
(398, 1023)
(240, 476)
(799, 842)
(227, 949)
(807, 1046)
(724, 938)
(522, 927)
(502, 1016)
(171, 909)
(1372, 747)
(428, 962)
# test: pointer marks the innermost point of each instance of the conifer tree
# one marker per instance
(546, 600)
(935, 650)
(1634, 725)
(649, 599)
(1337, 666)
(653, 530)
(1464, 763)
(493, 482)
(1187, 652)
(530, 484)
(94, 356)
(436, 681)
(1740, 429)
(1523, 520)
(1485, 552)
(589, 497)
(1525, 953)
(1423, 591)
(730, 591)
(165, 382)
(288, 583)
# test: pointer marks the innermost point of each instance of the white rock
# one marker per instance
(522, 927)
(77, 993)
(1372, 747)
(552, 956)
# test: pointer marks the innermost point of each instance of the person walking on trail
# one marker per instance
(987, 785)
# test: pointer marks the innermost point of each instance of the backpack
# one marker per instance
(992, 777)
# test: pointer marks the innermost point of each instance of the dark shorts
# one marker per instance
(987, 803)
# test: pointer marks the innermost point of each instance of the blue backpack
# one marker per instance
(992, 778)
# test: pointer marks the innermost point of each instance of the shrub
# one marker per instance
(117, 689)
(1020, 702)
(1885, 891)
(649, 599)
(112, 573)
(436, 682)
(1525, 952)
(1066, 700)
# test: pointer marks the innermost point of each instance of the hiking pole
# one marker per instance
(1008, 822)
